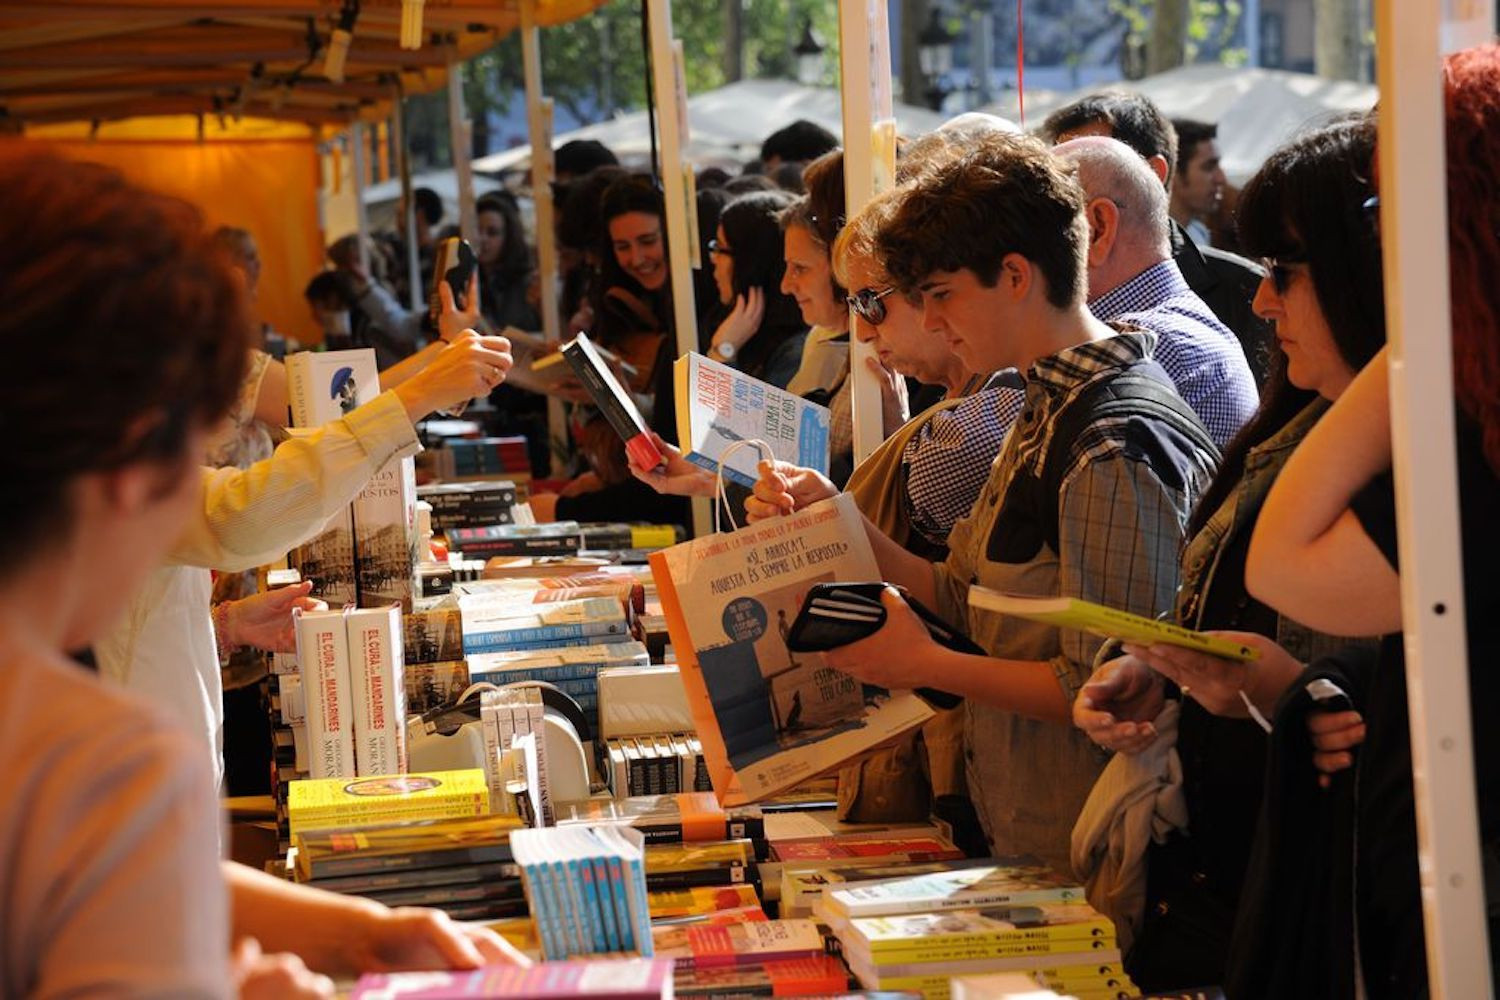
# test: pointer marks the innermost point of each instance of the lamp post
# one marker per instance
(935, 53)
(809, 52)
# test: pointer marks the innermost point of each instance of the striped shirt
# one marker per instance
(1206, 362)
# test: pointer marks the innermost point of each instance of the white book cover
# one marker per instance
(323, 652)
(293, 700)
(490, 712)
(718, 406)
(377, 672)
(640, 701)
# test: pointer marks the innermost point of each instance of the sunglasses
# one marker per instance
(714, 246)
(1281, 269)
(867, 305)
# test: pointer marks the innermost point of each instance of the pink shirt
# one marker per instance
(109, 870)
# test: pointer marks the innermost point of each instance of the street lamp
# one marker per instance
(935, 55)
(809, 52)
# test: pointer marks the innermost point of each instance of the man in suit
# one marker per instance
(1226, 281)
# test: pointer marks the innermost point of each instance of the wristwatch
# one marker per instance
(725, 350)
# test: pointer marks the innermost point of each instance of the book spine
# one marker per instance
(474, 648)
(935, 949)
(458, 807)
(379, 690)
(494, 770)
(552, 675)
(414, 861)
(535, 714)
(539, 635)
(323, 650)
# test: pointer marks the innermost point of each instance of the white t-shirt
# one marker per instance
(110, 882)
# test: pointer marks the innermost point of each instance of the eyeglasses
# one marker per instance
(867, 305)
(714, 246)
(1281, 269)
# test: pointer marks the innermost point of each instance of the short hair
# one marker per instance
(1191, 132)
(515, 254)
(134, 329)
(749, 184)
(578, 220)
(429, 204)
(1002, 194)
(579, 156)
(712, 177)
(1107, 168)
(325, 286)
(798, 142)
(1132, 118)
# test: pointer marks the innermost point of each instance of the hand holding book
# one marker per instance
(1225, 686)
(676, 476)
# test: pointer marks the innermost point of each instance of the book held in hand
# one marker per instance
(613, 400)
(718, 406)
(1111, 623)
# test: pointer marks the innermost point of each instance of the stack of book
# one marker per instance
(820, 842)
(665, 764)
(772, 958)
(560, 538)
(1107, 984)
(470, 505)
(488, 456)
(463, 867)
(394, 798)
(574, 670)
(714, 904)
(1010, 915)
(286, 711)
(670, 819)
(634, 541)
(587, 890)
(702, 863)
(629, 979)
(494, 623)
(352, 668)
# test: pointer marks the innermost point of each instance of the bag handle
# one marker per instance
(721, 492)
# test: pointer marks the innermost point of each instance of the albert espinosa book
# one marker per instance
(769, 718)
(718, 406)
(1111, 623)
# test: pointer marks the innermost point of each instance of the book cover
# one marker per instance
(407, 846)
(560, 538)
(494, 627)
(818, 975)
(1111, 623)
(719, 406)
(684, 817)
(385, 535)
(613, 400)
(374, 801)
(618, 979)
(970, 934)
(555, 662)
(379, 689)
(872, 847)
(700, 946)
(431, 685)
(642, 701)
(935, 981)
(1015, 881)
(323, 652)
(669, 904)
(769, 718)
(432, 635)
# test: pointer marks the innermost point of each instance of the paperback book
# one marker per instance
(770, 718)
(666, 819)
(587, 890)
(490, 628)
(560, 538)
(323, 653)
(958, 935)
(820, 975)
(613, 400)
(697, 946)
(719, 406)
(315, 805)
(622, 979)
(403, 848)
(1013, 881)
(378, 673)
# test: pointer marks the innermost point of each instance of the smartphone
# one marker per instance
(455, 264)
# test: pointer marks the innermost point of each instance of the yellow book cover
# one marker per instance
(1111, 623)
(698, 900)
(691, 857)
(1043, 928)
(386, 799)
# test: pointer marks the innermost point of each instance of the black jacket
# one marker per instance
(1227, 282)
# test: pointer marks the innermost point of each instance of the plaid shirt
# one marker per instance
(1121, 516)
(1203, 357)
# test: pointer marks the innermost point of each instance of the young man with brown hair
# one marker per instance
(1088, 497)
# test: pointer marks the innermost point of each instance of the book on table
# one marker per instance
(769, 718)
(613, 400)
(619, 979)
(1012, 881)
(385, 799)
(718, 406)
(1110, 623)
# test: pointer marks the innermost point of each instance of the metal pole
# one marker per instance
(416, 294)
(539, 120)
(357, 140)
(670, 88)
(461, 138)
(869, 167)
(1412, 38)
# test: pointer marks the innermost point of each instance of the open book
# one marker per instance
(1111, 623)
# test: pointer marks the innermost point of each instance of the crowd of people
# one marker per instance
(1082, 398)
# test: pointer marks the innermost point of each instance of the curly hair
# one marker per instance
(1471, 98)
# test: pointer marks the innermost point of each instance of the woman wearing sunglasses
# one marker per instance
(1323, 293)
(763, 333)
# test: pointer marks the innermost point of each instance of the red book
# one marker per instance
(821, 975)
(700, 946)
(843, 848)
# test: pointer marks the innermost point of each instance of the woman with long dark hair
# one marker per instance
(763, 333)
(505, 265)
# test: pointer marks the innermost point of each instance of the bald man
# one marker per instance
(1134, 281)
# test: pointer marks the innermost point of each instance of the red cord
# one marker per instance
(1021, 63)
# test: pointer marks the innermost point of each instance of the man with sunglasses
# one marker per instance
(1133, 280)
(1087, 498)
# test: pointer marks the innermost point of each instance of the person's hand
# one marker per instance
(679, 477)
(581, 321)
(543, 507)
(274, 977)
(896, 656)
(415, 939)
(743, 320)
(1116, 707)
(588, 482)
(470, 366)
(1217, 683)
(1334, 735)
(893, 401)
(265, 620)
(783, 488)
(453, 321)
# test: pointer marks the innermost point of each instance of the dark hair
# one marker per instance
(134, 330)
(1132, 118)
(1191, 132)
(749, 184)
(578, 224)
(798, 142)
(326, 285)
(515, 256)
(630, 193)
(788, 177)
(821, 212)
(1000, 194)
(1308, 200)
(712, 177)
(429, 204)
(579, 156)
(751, 229)
(711, 203)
